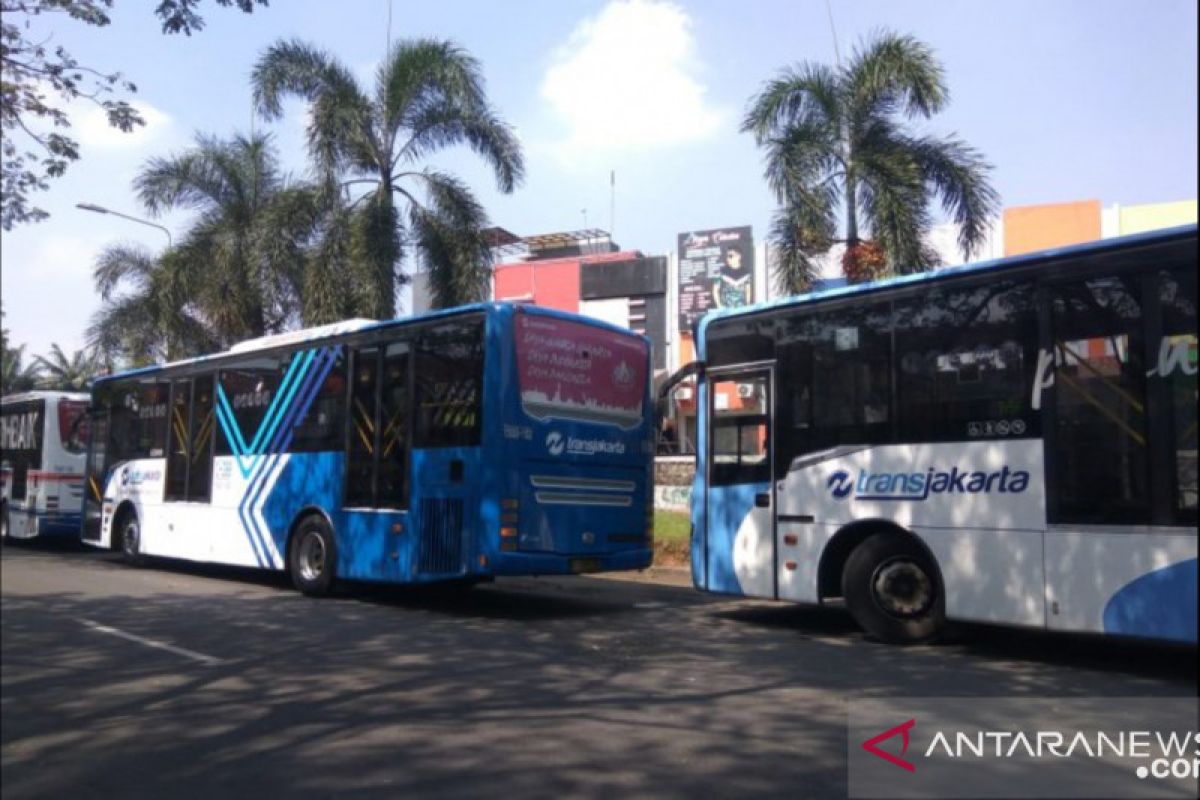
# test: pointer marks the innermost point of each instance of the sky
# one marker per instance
(1071, 99)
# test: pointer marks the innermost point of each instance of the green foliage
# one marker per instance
(240, 271)
(835, 141)
(15, 374)
(37, 81)
(72, 374)
(428, 96)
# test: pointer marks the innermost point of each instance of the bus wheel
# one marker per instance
(891, 589)
(312, 559)
(131, 539)
(4, 523)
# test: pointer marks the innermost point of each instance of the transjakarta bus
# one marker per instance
(487, 440)
(1008, 442)
(43, 439)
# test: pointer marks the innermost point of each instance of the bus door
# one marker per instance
(740, 524)
(96, 472)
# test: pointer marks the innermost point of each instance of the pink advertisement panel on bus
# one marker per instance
(572, 370)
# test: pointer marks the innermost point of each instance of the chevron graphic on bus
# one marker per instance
(918, 486)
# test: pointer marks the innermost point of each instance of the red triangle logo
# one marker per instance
(871, 745)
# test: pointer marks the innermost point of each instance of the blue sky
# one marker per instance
(1068, 100)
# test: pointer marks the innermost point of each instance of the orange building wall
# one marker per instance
(1031, 228)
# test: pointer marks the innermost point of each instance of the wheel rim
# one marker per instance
(129, 539)
(902, 588)
(312, 557)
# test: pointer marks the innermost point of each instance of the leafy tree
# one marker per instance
(428, 95)
(72, 374)
(836, 142)
(37, 81)
(147, 314)
(17, 376)
(244, 257)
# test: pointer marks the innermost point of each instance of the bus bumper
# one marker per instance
(558, 564)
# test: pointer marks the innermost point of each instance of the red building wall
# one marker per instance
(553, 283)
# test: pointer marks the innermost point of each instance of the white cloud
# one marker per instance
(90, 126)
(628, 79)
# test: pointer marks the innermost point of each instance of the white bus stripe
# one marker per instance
(208, 661)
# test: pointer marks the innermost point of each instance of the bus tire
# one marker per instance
(892, 589)
(130, 533)
(4, 532)
(312, 557)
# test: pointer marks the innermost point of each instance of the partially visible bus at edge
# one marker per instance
(43, 438)
(1011, 442)
(481, 441)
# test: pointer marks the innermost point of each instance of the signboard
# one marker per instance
(569, 370)
(716, 270)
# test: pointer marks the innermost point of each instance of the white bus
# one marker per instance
(43, 436)
(1010, 442)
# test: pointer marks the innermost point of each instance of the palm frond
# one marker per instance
(448, 233)
(807, 94)
(894, 72)
(959, 174)
(120, 263)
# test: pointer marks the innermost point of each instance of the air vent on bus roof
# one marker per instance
(302, 335)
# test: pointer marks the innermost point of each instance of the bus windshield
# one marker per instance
(576, 371)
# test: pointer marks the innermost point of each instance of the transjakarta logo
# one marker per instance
(920, 485)
(557, 444)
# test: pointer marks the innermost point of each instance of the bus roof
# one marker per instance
(1087, 248)
(345, 327)
(43, 394)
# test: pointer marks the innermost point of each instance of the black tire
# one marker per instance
(893, 590)
(312, 557)
(4, 529)
(129, 531)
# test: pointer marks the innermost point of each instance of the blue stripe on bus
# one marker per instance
(258, 464)
(261, 479)
(1160, 604)
(248, 456)
(305, 387)
(233, 433)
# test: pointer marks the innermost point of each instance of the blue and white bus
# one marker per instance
(481, 441)
(43, 441)
(1010, 442)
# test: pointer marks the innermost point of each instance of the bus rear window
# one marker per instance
(73, 425)
(572, 370)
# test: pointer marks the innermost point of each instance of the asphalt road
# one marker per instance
(188, 681)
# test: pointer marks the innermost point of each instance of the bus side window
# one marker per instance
(394, 428)
(449, 386)
(323, 429)
(1099, 449)
(963, 361)
(852, 376)
(1176, 366)
(363, 439)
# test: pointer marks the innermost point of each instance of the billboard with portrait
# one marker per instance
(716, 270)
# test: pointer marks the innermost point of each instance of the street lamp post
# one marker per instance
(102, 210)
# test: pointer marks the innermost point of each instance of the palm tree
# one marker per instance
(148, 314)
(836, 140)
(16, 376)
(72, 374)
(244, 257)
(428, 95)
